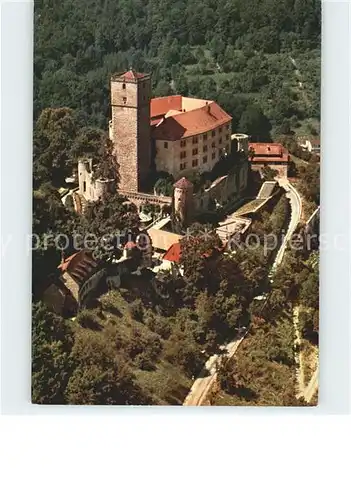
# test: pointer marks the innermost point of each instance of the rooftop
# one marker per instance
(183, 183)
(273, 151)
(173, 253)
(78, 265)
(232, 225)
(267, 189)
(129, 76)
(163, 239)
(176, 117)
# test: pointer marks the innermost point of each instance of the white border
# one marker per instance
(16, 147)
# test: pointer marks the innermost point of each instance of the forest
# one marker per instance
(259, 57)
(260, 60)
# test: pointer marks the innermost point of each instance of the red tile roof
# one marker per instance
(129, 245)
(79, 261)
(183, 183)
(269, 151)
(173, 253)
(131, 76)
(190, 123)
(159, 106)
(65, 264)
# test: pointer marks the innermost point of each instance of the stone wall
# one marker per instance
(224, 189)
(282, 170)
(140, 199)
(89, 189)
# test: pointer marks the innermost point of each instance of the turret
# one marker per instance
(183, 200)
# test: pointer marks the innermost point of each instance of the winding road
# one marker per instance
(205, 382)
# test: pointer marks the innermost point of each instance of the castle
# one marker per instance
(173, 134)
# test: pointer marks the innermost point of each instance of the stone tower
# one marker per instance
(130, 127)
(183, 200)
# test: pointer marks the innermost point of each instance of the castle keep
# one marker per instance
(130, 129)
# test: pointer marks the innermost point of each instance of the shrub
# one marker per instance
(162, 327)
(136, 310)
(149, 320)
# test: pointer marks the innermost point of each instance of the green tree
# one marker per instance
(254, 123)
(52, 364)
(53, 137)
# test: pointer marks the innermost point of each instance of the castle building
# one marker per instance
(176, 134)
(186, 134)
(267, 154)
(183, 200)
(130, 128)
(93, 189)
(190, 134)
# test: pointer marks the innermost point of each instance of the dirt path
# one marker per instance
(301, 86)
(300, 377)
(303, 390)
(204, 383)
(312, 386)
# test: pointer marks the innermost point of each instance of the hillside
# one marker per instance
(227, 50)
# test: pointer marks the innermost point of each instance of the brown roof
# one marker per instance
(190, 123)
(183, 183)
(78, 265)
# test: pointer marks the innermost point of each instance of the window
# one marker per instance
(227, 137)
(205, 137)
(123, 86)
(213, 156)
(205, 149)
(220, 140)
(124, 100)
(195, 163)
(182, 143)
(195, 151)
(220, 129)
(84, 186)
(165, 145)
(195, 140)
(182, 166)
(227, 127)
(183, 154)
(213, 144)
(213, 133)
(204, 159)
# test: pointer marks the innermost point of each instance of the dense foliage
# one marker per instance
(235, 52)
(143, 345)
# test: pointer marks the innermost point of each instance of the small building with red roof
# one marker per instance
(266, 154)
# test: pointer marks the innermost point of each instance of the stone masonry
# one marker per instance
(130, 127)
